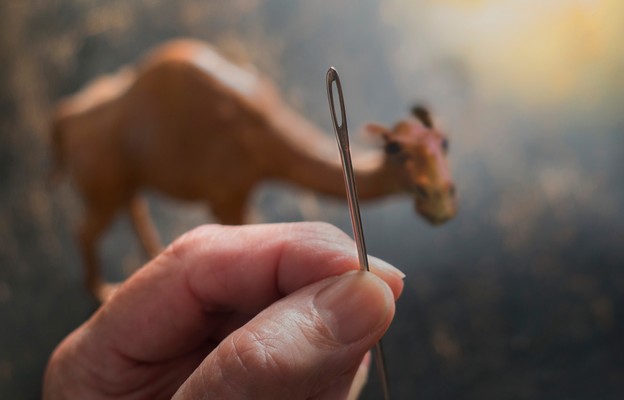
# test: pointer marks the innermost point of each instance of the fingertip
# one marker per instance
(356, 305)
(386, 267)
(393, 277)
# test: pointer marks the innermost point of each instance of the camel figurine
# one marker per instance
(192, 125)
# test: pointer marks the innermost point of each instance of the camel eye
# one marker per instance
(445, 145)
(452, 190)
(393, 148)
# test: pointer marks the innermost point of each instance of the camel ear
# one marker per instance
(378, 130)
(392, 147)
(423, 115)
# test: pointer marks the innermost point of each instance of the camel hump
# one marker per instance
(206, 59)
(174, 50)
(96, 92)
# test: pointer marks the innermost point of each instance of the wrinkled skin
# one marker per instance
(247, 312)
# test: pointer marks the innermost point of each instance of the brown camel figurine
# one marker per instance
(190, 124)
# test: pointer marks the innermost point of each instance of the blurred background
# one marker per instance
(519, 297)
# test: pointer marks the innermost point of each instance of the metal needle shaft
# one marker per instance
(342, 136)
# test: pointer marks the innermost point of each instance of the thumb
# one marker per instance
(309, 344)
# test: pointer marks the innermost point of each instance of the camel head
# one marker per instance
(418, 151)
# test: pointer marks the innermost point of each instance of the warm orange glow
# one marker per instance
(544, 51)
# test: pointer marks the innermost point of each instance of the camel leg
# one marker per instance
(144, 227)
(231, 212)
(90, 230)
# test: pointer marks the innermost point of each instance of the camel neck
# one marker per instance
(310, 158)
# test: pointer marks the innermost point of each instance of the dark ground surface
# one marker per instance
(520, 297)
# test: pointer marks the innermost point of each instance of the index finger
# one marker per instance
(182, 297)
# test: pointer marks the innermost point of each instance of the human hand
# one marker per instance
(262, 312)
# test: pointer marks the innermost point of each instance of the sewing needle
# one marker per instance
(342, 136)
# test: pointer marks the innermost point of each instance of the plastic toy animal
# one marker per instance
(188, 123)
